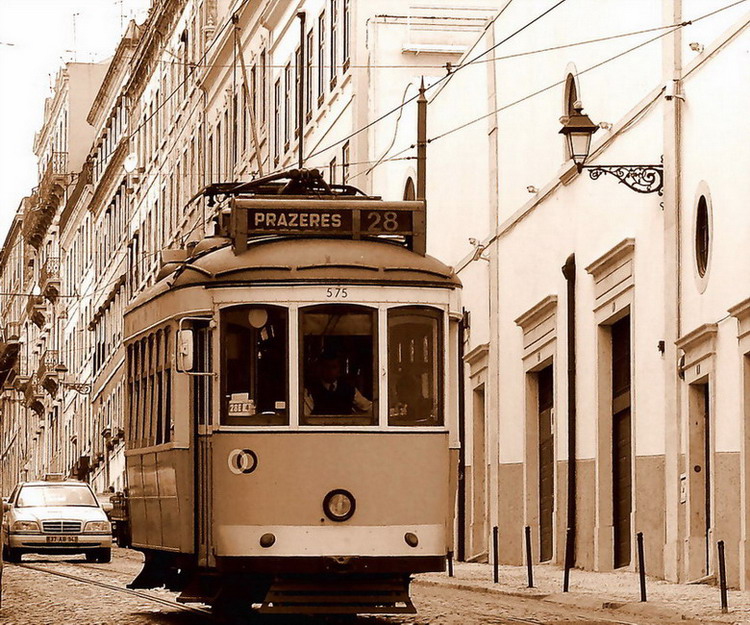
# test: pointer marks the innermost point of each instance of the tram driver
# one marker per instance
(331, 393)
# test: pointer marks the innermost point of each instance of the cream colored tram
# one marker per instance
(290, 392)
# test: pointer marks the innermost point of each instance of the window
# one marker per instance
(321, 57)
(345, 163)
(287, 103)
(263, 89)
(332, 171)
(276, 119)
(415, 347)
(339, 358)
(254, 359)
(297, 88)
(346, 43)
(334, 41)
(57, 496)
(308, 76)
(702, 236)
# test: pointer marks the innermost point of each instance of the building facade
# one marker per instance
(606, 354)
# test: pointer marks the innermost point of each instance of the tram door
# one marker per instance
(621, 442)
(202, 402)
(546, 464)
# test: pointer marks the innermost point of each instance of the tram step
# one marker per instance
(292, 596)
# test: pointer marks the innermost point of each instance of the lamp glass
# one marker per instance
(579, 144)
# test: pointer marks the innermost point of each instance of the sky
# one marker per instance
(36, 38)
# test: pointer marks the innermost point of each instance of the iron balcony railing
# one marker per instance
(47, 363)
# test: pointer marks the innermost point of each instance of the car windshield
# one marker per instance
(62, 495)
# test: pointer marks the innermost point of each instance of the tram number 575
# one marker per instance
(336, 292)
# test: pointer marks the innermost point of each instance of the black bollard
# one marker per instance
(495, 553)
(641, 565)
(449, 556)
(568, 559)
(723, 578)
(529, 566)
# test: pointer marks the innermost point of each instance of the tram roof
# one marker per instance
(313, 261)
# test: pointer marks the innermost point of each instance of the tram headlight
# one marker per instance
(339, 505)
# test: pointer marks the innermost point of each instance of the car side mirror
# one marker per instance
(6, 506)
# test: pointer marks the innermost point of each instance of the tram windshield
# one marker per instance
(254, 353)
(338, 363)
(414, 366)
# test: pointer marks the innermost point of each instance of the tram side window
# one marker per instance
(415, 348)
(254, 366)
(150, 386)
(338, 364)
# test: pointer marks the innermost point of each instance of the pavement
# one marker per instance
(615, 592)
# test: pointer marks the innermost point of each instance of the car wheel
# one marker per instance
(11, 555)
(104, 555)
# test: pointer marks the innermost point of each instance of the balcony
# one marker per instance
(47, 374)
(10, 345)
(40, 209)
(36, 310)
(33, 397)
(49, 279)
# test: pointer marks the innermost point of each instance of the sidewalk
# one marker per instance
(616, 591)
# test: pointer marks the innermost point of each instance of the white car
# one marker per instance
(55, 516)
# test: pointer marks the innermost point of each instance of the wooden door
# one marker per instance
(479, 478)
(622, 450)
(546, 464)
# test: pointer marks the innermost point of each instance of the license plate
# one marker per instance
(62, 539)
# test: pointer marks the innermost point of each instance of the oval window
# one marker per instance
(702, 236)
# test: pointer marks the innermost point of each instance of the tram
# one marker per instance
(290, 387)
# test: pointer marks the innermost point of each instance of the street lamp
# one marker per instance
(578, 129)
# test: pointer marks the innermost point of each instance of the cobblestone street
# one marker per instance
(42, 592)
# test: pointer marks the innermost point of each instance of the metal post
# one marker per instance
(529, 566)
(421, 143)
(641, 566)
(723, 578)
(495, 554)
(449, 556)
(568, 559)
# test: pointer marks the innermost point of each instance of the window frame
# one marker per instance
(223, 417)
(329, 422)
(439, 351)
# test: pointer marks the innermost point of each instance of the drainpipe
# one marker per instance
(461, 496)
(569, 271)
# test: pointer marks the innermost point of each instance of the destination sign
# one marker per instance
(298, 220)
(351, 218)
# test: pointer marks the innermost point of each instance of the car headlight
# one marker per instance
(97, 527)
(25, 527)
(339, 505)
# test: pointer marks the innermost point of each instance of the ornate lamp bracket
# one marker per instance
(81, 389)
(640, 178)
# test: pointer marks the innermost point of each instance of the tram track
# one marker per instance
(122, 589)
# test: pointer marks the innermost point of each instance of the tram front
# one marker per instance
(322, 390)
